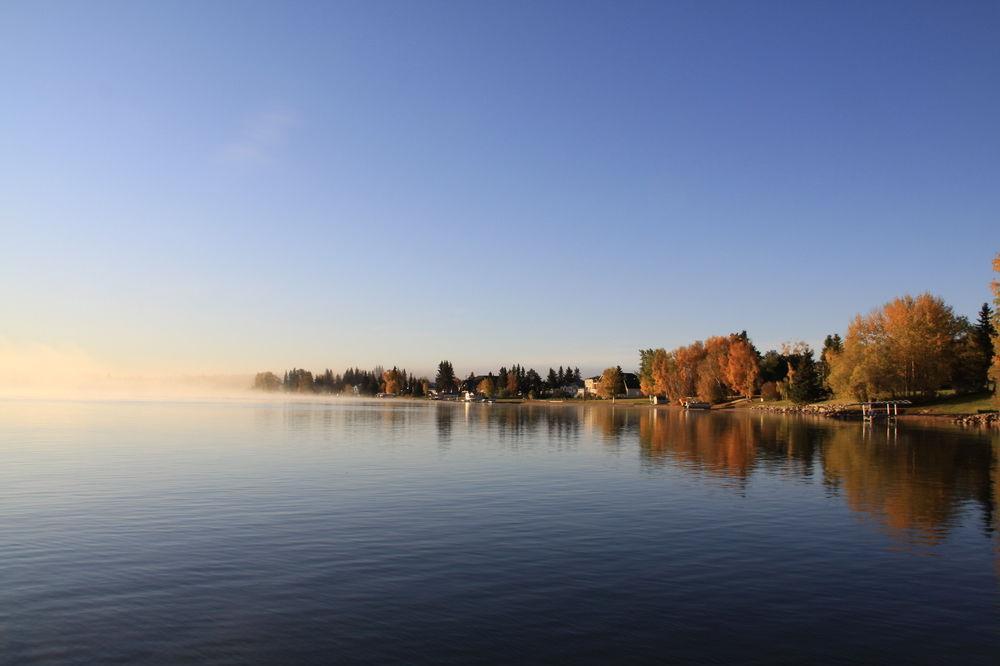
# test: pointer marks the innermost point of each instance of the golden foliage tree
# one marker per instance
(906, 347)
(742, 367)
(664, 372)
(487, 387)
(393, 381)
(611, 383)
(709, 385)
(994, 373)
(687, 360)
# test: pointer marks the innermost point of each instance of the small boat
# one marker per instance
(694, 404)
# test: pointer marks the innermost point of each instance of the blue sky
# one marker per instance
(230, 186)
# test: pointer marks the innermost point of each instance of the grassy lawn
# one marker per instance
(619, 402)
(946, 403)
(954, 404)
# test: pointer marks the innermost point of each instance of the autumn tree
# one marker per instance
(906, 347)
(611, 383)
(710, 384)
(393, 381)
(487, 387)
(687, 360)
(707, 387)
(512, 381)
(662, 374)
(994, 373)
(769, 391)
(742, 371)
(646, 381)
(832, 344)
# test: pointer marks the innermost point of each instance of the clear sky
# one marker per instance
(231, 186)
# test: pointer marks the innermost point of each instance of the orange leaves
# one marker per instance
(741, 371)
(907, 346)
(710, 369)
(611, 383)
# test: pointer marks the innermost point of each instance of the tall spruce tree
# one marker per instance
(445, 378)
(804, 385)
(985, 332)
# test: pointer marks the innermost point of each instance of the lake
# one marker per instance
(402, 531)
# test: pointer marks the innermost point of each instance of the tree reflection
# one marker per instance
(611, 424)
(444, 417)
(914, 481)
(730, 446)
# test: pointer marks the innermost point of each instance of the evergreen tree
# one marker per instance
(832, 345)
(533, 383)
(554, 380)
(804, 384)
(445, 378)
(984, 333)
(502, 379)
(773, 367)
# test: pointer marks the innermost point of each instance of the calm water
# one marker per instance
(418, 532)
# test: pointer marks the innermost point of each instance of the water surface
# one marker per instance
(398, 531)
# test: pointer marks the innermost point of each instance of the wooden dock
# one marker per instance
(880, 408)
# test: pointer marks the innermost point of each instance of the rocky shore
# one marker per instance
(989, 420)
(815, 410)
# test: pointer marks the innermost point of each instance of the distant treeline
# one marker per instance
(911, 346)
(515, 381)
(352, 380)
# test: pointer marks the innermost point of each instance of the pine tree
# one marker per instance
(804, 386)
(445, 378)
(533, 383)
(985, 332)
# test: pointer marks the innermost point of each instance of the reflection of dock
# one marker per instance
(889, 409)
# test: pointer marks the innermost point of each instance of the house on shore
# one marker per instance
(630, 379)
